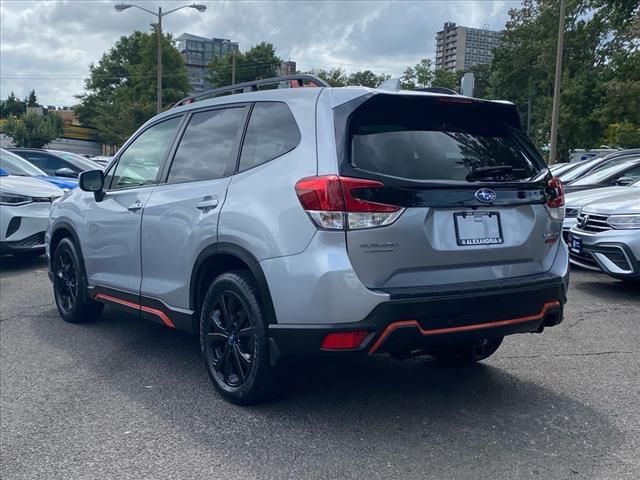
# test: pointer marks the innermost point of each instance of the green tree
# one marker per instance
(33, 130)
(32, 99)
(258, 62)
(120, 93)
(419, 76)
(366, 78)
(601, 45)
(336, 77)
(13, 106)
(445, 78)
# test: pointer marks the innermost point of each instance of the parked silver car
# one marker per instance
(576, 200)
(606, 236)
(319, 221)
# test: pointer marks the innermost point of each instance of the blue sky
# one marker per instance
(48, 45)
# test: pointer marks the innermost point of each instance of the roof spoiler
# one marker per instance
(296, 81)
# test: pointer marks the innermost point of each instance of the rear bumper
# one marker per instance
(412, 320)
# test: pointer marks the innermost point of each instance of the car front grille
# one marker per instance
(35, 240)
(591, 222)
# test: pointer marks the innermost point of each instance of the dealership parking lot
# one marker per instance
(125, 398)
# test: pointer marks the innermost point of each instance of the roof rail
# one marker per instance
(253, 87)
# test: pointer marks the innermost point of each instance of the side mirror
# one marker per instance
(92, 181)
(624, 181)
(66, 172)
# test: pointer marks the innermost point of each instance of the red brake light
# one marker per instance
(353, 204)
(330, 203)
(556, 191)
(321, 193)
(343, 340)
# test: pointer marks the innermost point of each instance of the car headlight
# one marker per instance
(14, 200)
(624, 222)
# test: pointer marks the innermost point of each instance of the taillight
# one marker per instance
(330, 202)
(555, 199)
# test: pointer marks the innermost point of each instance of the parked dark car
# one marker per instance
(597, 163)
(622, 174)
(60, 164)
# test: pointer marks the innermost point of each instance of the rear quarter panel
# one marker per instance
(262, 213)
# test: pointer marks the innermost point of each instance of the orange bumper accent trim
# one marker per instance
(464, 328)
(158, 313)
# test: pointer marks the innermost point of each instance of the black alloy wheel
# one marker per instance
(230, 339)
(70, 285)
(235, 342)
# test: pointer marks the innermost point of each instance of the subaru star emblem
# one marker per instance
(485, 195)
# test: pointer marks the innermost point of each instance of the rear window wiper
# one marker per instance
(484, 172)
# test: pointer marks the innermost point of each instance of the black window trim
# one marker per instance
(246, 127)
(114, 164)
(248, 106)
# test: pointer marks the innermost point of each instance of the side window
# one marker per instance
(208, 147)
(631, 174)
(272, 132)
(48, 163)
(140, 162)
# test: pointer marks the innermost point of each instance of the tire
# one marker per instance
(70, 285)
(466, 353)
(234, 340)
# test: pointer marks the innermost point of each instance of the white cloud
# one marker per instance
(48, 45)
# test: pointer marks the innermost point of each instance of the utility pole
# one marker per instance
(121, 7)
(159, 108)
(233, 66)
(556, 90)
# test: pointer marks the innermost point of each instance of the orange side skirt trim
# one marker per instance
(153, 311)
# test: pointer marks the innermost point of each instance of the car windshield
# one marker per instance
(579, 170)
(15, 165)
(601, 175)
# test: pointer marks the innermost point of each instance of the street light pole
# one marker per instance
(159, 107)
(123, 6)
(555, 112)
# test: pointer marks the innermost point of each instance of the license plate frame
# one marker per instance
(575, 245)
(463, 227)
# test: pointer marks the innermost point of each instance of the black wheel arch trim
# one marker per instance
(242, 254)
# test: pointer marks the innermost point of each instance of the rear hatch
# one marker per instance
(475, 195)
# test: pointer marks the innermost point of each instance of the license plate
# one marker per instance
(474, 228)
(575, 244)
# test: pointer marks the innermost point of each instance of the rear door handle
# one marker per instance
(207, 203)
(134, 207)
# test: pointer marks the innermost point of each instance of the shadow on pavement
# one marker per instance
(338, 412)
(612, 290)
(12, 263)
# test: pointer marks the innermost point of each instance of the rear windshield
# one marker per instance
(431, 140)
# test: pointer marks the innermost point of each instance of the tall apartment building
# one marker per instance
(198, 53)
(458, 48)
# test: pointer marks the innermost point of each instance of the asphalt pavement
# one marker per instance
(124, 398)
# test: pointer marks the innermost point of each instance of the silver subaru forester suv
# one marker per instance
(283, 222)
